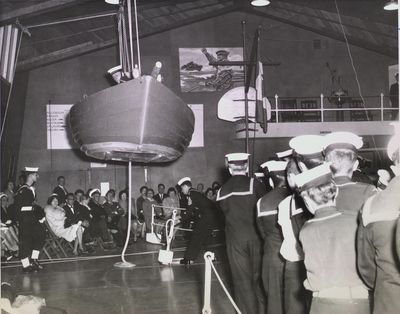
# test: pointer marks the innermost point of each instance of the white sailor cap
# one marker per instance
(3, 195)
(342, 140)
(274, 166)
(183, 180)
(94, 191)
(284, 154)
(314, 177)
(31, 169)
(307, 145)
(259, 174)
(237, 157)
(115, 69)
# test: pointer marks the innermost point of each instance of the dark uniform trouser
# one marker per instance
(202, 229)
(272, 275)
(245, 263)
(31, 236)
(296, 297)
(337, 306)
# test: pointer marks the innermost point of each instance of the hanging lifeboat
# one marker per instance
(140, 120)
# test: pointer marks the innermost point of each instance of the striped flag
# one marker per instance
(263, 107)
(8, 50)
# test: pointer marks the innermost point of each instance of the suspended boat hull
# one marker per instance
(140, 120)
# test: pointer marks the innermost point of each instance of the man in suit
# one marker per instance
(161, 195)
(206, 214)
(71, 211)
(237, 199)
(60, 190)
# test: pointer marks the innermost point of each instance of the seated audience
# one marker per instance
(169, 203)
(161, 195)
(116, 220)
(139, 203)
(200, 188)
(10, 191)
(147, 209)
(55, 216)
(210, 194)
(9, 230)
(123, 224)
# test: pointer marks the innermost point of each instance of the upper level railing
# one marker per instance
(332, 109)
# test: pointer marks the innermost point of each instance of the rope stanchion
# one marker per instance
(208, 258)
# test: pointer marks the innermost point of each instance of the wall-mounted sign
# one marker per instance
(57, 129)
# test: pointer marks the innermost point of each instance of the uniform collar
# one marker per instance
(325, 212)
(342, 180)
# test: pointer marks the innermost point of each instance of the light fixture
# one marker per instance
(260, 3)
(391, 5)
(112, 1)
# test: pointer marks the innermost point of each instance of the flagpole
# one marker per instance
(246, 102)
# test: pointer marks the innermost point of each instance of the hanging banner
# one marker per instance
(198, 134)
(57, 127)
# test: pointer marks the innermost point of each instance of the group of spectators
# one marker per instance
(84, 219)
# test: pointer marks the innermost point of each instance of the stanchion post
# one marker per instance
(124, 263)
(208, 258)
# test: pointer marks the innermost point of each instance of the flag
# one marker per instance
(8, 50)
(263, 107)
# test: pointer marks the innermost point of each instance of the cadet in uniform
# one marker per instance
(267, 221)
(237, 199)
(292, 214)
(378, 259)
(31, 218)
(340, 149)
(328, 242)
(206, 213)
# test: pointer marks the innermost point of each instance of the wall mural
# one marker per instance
(197, 75)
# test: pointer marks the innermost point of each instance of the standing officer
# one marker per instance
(206, 213)
(31, 217)
(378, 258)
(340, 149)
(237, 199)
(267, 221)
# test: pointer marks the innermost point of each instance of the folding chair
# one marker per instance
(56, 241)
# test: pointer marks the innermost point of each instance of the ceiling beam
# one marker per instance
(89, 47)
(387, 51)
(37, 8)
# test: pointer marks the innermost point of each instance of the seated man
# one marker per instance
(329, 248)
(115, 215)
(99, 220)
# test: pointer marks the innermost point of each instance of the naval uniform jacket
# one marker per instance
(267, 221)
(328, 242)
(25, 204)
(237, 199)
(378, 256)
(352, 195)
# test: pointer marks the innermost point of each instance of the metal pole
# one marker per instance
(82, 18)
(322, 107)
(276, 109)
(124, 263)
(246, 101)
(381, 106)
(208, 258)
(130, 35)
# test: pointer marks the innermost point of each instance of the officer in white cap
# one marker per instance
(99, 222)
(237, 199)
(328, 243)
(267, 221)
(31, 218)
(285, 155)
(206, 214)
(377, 238)
(340, 148)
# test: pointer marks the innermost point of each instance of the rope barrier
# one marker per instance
(208, 258)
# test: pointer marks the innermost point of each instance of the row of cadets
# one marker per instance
(328, 241)
(378, 239)
(31, 218)
(267, 222)
(237, 199)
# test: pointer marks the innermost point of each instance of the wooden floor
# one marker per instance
(93, 285)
